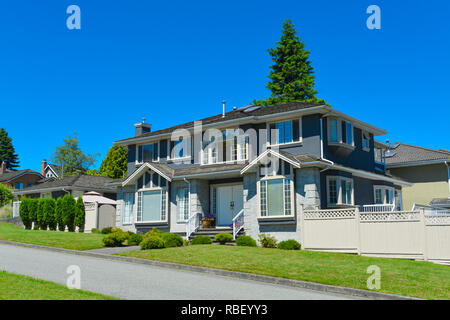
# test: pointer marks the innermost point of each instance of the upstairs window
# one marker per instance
(340, 131)
(286, 132)
(365, 141)
(148, 152)
(386, 195)
(232, 148)
(18, 186)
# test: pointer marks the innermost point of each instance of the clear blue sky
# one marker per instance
(175, 61)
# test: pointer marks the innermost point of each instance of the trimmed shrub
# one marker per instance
(172, 240)
(186, 242)
(152, 242)
(267, 241)
(59, 215)
(95, 230)
(24, 213)
(135, 239)
(223, 238)
(32, 211)
(201, 240)
(80, 215)
(246, 241)
(115, 229)
(40, 214)
(115, 239)
(107, 230)
(154, 232)
(69, 210)
(48, 208)
(6, 195)
(290, 244)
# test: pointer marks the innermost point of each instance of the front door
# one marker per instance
(229, 203)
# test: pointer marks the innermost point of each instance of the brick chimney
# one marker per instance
(43, 166)
(3, 169)
(142, 128)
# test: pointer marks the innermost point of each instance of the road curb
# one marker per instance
(227, 273)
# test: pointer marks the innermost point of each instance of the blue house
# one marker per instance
(253, 169)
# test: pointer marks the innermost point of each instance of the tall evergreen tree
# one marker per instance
(115, 164)
(80, 215)
(7, 152)
(292, 76)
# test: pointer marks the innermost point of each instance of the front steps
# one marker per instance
(211, 232)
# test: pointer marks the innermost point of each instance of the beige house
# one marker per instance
(427, 169)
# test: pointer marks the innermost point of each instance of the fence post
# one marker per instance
(358, 230)
(302, 226)
(424, 233)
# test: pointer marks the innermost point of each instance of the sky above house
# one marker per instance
(175, 61)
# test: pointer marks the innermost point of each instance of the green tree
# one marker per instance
(33, 211)
(24, 213)
(40, 214)
(292, 76)
(6, 195)
(69, 210)
(71, 158)
(80, 214)
(7, 152)
(49, 213)
(115, 164)
(59, 214)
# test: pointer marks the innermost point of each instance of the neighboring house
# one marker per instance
(76, 185)
(49, 171)
(18, 179)
(326, 160)
(428, 169)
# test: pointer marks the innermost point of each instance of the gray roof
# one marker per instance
(79, 181)
(11, 175)
(444, 202)
(407, 153)
(234, 114)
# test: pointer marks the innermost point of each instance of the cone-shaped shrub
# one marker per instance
(80, 214)
(25, 213)
(69, 210)
(58, 215)
(32, 211)
(49, 213)
(40, 214)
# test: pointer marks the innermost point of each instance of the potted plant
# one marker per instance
(208, 221)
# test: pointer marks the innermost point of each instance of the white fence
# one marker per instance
(394, 234)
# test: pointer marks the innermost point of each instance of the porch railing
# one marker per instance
(238, 223)
(192, 224)
(378, 207)
(16, 206)
(431, 209)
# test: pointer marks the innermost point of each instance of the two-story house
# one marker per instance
(253, 167)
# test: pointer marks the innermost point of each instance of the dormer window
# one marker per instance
(340, 132)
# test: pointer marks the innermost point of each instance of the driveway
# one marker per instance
(128, 280)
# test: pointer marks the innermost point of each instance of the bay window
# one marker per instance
(276, 197)
(340, 190)
(127, 216)
(183, 204)
(152, 198)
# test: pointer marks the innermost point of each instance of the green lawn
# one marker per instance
(68, 240)
(17, 287)
(402, 277)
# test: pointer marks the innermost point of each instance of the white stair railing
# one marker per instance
(238, 223)
(192, 224)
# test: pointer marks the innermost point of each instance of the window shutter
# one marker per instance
(296, 130)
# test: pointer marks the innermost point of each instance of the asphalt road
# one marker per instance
(127, 280)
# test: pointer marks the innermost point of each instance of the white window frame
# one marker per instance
(365, 136)
(340, 141)
(213, 160)
(292, 195)
(383, 194)
(183, 158)
(144, 144)
(183, 216)
(164, 194)
(300, 132)
(125, 214)
(339, 190)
